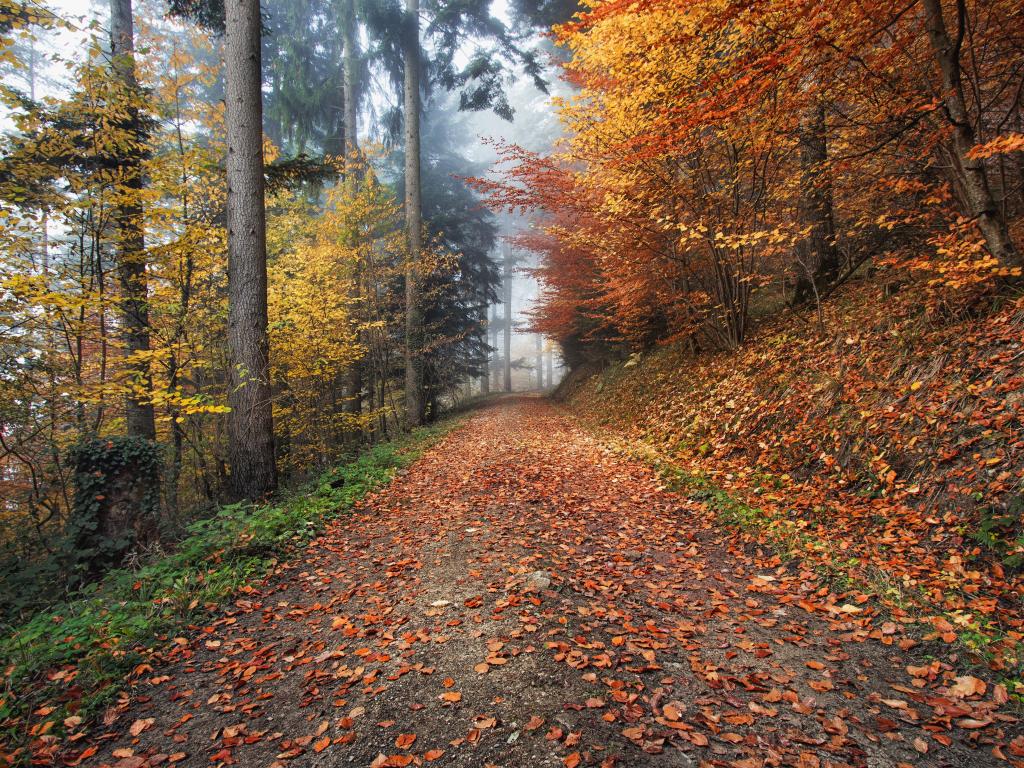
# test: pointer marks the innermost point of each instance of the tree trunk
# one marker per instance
(971, 174)
(354, 383)
(413, 219)
(817, 256)
(250, 423)
(492, 367)
(485, 375)
(551, 372)
(540, 361)
(350, 68)
(131, 244)
(506, 280)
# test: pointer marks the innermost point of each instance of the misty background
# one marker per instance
(456, 144)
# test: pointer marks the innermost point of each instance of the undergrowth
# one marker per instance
(73, 658)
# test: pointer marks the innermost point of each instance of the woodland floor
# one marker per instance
(419, 631)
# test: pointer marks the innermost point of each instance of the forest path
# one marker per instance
(523, 597)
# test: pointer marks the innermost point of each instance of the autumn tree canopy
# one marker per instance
(722, 158)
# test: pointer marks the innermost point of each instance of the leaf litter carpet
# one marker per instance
(522, 596)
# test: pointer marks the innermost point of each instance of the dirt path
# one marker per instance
(520, 597)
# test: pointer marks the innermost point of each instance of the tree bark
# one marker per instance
(506, 284)
(817, 256)
(131, 244)
(354, 384)
(250, 423)
(971, 174)
(413, 219)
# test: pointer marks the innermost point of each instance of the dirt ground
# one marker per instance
(522, 596)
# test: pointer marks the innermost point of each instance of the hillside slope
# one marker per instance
(886, 447)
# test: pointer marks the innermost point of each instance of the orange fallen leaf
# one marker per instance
(405, 740)
(141, 725)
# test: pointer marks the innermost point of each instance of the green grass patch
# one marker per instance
(76, 655)
(728, 509)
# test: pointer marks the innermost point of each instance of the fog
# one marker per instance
(534, 126)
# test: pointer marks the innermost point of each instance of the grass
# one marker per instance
(74, 658)
(783, 534)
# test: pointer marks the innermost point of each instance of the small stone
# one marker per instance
(538, 581)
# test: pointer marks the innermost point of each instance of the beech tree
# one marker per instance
(804, 139)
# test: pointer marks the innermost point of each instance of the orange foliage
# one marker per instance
(678, 204)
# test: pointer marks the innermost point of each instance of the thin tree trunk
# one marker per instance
(413, 220)
(971, 174)
(250, 423)
(817, 256)
(354, 380)
(540, 361)
(485, 377)
(506, 280)
(492, 328)
(350, 79)
(131, 258)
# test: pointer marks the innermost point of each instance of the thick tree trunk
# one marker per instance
(506, 280)
(551, 371)
(413, 219)
(250, 423)
(970, 174)
(817, 256)
(131, 245)
(354, 383)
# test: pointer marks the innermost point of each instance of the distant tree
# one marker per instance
(539, 359)
(507, 265)
(302, 71)
(543, 14)
(456, 226)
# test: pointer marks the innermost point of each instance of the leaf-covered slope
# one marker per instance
(888, 446)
